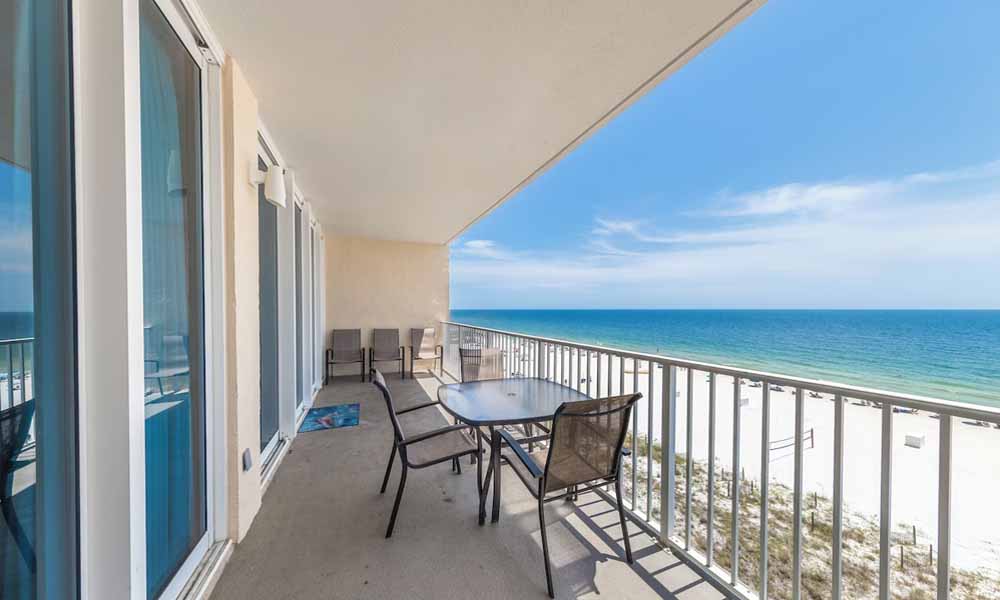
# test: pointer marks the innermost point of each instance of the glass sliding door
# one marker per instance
(173, 297)
(312, 296)
(299, 367)
(38, 411)
(267, 216)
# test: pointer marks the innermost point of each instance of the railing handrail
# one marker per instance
(16, 341)
(925, 403)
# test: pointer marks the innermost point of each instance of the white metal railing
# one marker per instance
(598, 371)
(16, 366)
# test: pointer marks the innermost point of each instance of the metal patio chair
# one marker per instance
(15, 426)
(422, 347)
(346, 350)
(584, 453)
(479, 365)
(385, 348)
(421, 450)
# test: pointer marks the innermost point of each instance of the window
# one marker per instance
(38, 388)
(173, 297)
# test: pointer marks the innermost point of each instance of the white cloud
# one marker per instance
(925, 240)
(486, 249)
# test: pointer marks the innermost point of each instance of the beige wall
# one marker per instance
(375, 283)
(242, 300)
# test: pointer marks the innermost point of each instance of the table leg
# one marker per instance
(495, 463)
(482, 482)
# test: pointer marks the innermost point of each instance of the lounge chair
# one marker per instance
(386, 348)
(585, 449)
(422, 347)
(346, 350)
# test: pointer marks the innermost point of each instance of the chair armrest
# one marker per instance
(417, 407)
(435, 433)
(626, 452)
(521, 454)
(402, 352)
(329, 354)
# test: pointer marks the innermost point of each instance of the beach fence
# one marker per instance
(654, 470)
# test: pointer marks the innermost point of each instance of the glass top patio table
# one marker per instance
(494, 403)
(497, 402)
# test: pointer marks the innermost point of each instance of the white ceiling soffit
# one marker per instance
(411, 120)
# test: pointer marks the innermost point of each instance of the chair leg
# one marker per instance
(17, 532)
(395, 507)
(621, 517)
(458, 465)
(545, 544)
(388, 468)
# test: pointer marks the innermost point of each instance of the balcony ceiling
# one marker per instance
(410, 120)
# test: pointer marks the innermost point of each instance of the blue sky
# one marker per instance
(15, 239)
(820, 155)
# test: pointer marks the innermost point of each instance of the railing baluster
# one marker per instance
(765, 476)
(885, 519)
(562, 363)
(711, 469)
(944, 508)
(797, 502)
(10, 375)
(735, 542)
(588, 373)
(668, 450)
(598, 394)
(689, 458)
(838, 496)
(635, 431)
(649, 442)
(24, 378)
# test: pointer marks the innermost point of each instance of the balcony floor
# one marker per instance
(319, 533)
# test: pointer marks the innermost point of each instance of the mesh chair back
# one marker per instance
(379, 381)
(480, 364)
(422, 341)
(346, 344)
(175, 352)
(385, 344)
(586, 442)
(15, 424)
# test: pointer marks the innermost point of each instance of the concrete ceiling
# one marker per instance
(411, 120)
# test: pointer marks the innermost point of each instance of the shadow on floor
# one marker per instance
(319, 532)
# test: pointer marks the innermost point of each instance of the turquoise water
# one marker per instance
(952, 355)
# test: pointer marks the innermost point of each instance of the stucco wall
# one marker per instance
(242, 300)
(376, 283)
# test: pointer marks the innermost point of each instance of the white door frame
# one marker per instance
(108, 170)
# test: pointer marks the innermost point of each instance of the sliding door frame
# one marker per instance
(107, 111)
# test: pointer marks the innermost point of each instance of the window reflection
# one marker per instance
(173, 303)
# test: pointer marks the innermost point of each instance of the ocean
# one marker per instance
(946, 354)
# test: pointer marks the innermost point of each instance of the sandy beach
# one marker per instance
(976, 451)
